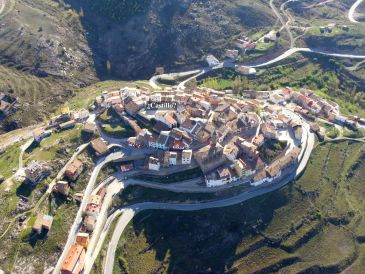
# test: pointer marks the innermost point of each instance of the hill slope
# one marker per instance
(315, 225)
(51, 47)
(146, 34)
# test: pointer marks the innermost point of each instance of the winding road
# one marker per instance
(283, 23)
(2, 6)
(352, 11)
(78, 220)
(129, 212)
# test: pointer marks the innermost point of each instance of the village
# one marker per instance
(218, 139)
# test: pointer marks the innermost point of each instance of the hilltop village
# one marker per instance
(215, 139)
(251, 139)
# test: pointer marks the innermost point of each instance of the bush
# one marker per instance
(123, 265)
(332, 132)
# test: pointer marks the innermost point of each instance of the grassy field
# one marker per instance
(313, 225)
(9, 160)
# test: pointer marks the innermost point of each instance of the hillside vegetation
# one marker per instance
(49, 48)
(315, 225)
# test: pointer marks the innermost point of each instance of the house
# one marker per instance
(36, 171)
(242, 168)
(304, 101)
(74, 169)
(83, 239)
(89, 128)
(222, 176)
(5, 107)
(75, 260)
(231, 53)
(277, 99)
(89, 223)
(247, 148)
(99, 146)
(206, 105)
(119, 108)
(245, 70)
(161, 142)
(156, 97)
(92, 210)
(268, 131)
(125, 167)
(271, 36)
(186, 157)
(230, 151)
(258, 140)
(42, 223)
(166, 119)
(211, 156)
(67, 125)
(132, 106)
(260, 178)
(154, 163)
(212, 60)
(287, 93)
(62, 187)
(178, 145)
(188, 125)
(277, 124)
(81, 116)
(39, 134)
(170, 121)
(172, 158)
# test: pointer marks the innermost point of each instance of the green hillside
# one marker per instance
(315, 225)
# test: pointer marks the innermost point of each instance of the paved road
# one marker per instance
(3, 9)
(154, 80)
(352, 11)
(2, 6)
(12, 137)
(292, 51)
(78, 220)
(281, 57)
(283, 23)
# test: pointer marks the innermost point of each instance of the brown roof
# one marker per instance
(223, 172)
(170, 119)
(38, 131)
(90, 127)
(43, 221)
(74, 166)
(188, 123)
(99, 146)
(72, 258)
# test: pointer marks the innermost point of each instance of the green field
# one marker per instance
(314, 224)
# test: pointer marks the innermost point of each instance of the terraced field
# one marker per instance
(43, 56)
(315, 225)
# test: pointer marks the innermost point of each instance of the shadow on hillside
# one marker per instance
(205, 241)
(131, 43)
(123, 48)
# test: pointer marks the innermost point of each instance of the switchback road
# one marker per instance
(352, 11)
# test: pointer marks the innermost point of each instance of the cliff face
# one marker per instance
(170, 33)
